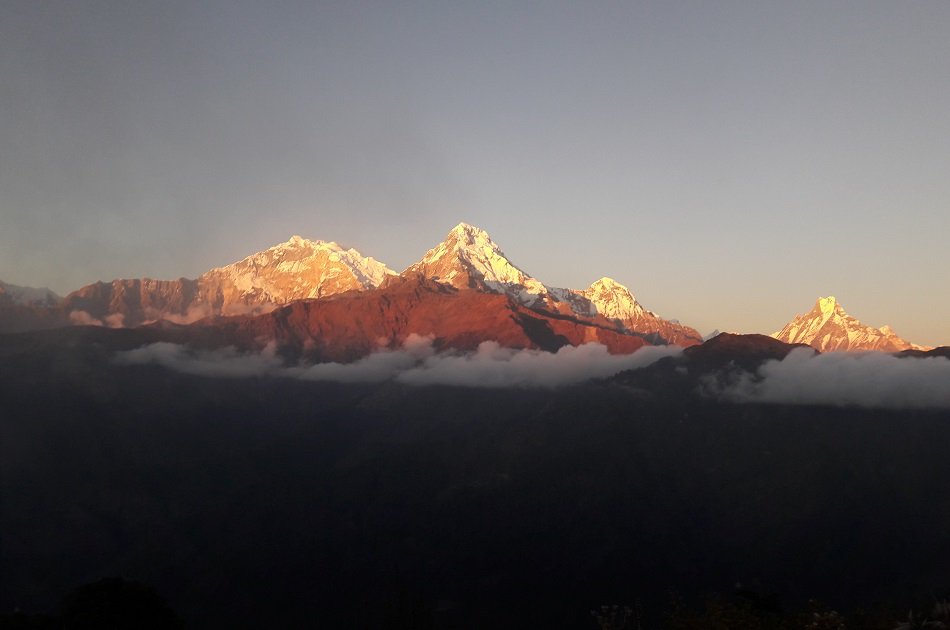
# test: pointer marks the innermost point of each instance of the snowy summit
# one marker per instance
(828, 327)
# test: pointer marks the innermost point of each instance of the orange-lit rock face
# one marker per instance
(134, 301)
(351, 325)
(827, 327)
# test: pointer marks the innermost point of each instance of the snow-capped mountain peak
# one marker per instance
(468, 258)
(612, 300)
(296, 269)
(829, 327)
(465, 237)
(300, 268)
(829, 306)
(469, 234)
(608, 284)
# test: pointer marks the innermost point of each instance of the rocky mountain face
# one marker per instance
(131, 302)
(828, 327)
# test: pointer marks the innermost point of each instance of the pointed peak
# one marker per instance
(612, 300)
(829, 327)
(466, 227)
(610, 286)
(468, 233)
(298, 240)
(607, 283)
(828, 305)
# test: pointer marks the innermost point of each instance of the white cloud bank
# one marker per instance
(871, 379)
(494, 366)
(416, 363)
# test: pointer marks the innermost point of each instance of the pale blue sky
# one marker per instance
(729, 162)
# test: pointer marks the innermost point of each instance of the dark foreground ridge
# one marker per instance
(280, 503)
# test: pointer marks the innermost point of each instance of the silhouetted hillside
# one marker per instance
(281, 503)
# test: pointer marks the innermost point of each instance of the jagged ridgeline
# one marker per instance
(302, 269)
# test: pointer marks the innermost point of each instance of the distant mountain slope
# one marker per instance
(609, 299)
(27, 296)
(28, 308)
(828, 327)
(939, 351)
(716, 360)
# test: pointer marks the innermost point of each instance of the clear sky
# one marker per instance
(728, 161)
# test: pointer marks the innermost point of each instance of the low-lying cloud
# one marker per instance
(83, 318)
(151, 315)
(198, 312)
(494, 366)
(226, 363)
(872, 379)
(415, 363)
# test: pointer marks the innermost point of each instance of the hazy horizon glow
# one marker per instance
(729, 163)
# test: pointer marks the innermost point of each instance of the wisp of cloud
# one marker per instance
(225, 363)
(414, 363)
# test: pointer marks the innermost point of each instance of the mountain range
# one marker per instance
(467, 263)
(462, 291)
